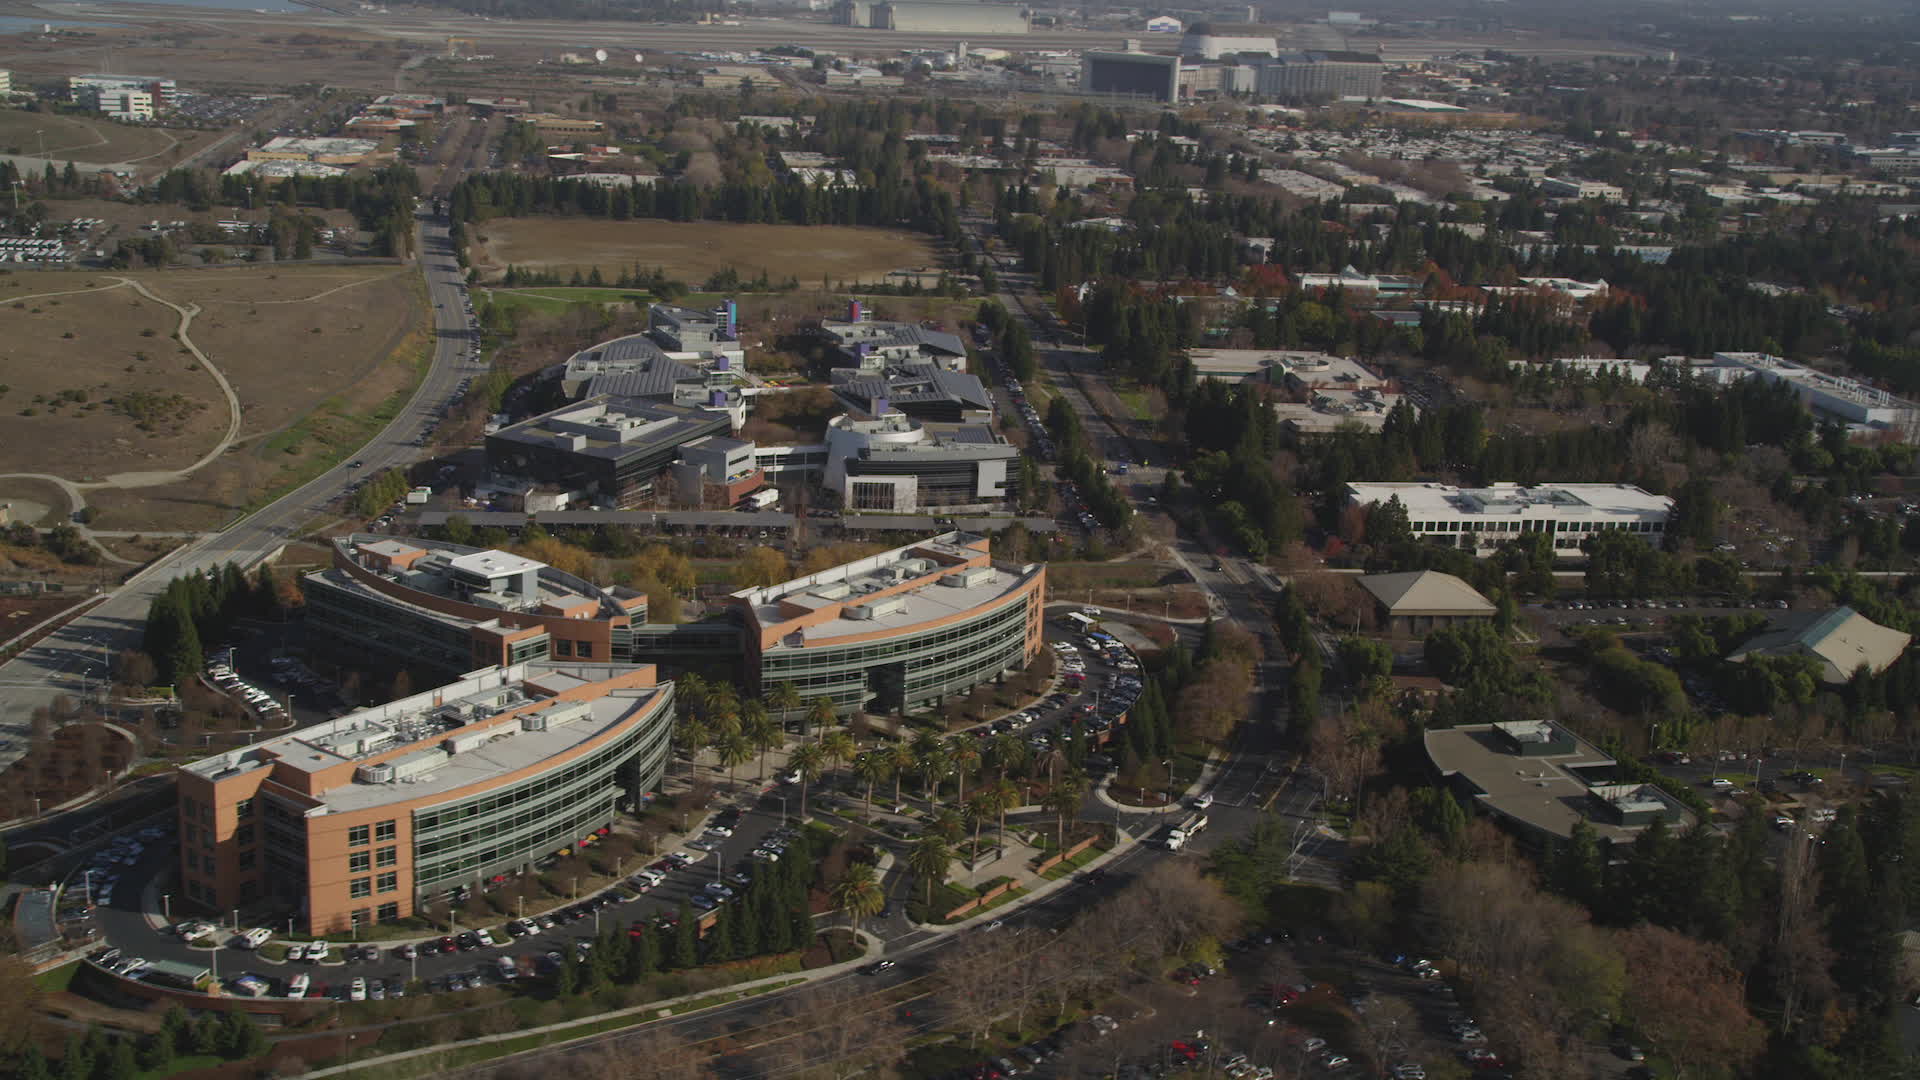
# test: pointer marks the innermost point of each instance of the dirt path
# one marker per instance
(315, 296)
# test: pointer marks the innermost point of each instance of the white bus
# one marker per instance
(1078, 621)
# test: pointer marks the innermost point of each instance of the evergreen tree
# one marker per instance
(684, 950)
(119, 1063)
(719, 943)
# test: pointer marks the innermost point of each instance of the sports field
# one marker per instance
(691, 251)
(84, 139)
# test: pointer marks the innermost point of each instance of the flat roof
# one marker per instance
(1515, 500)
(424, 722)
(493, 564)
(607, 426)
(1538, 791)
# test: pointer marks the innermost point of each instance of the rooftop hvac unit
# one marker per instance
(916, 567)
(875, 609)
(380, 773)
(465, 741)
(833, 590)
(968, 578)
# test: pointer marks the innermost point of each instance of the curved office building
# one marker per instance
(899, 630)
(371, 816)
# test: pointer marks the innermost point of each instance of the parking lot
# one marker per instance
(713, 869)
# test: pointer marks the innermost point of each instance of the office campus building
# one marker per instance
(920, 391)
(872, 345)
(123, 97)
(1480, 519)
(458, 608)
(684, 357)
(893, 463)
(951, 619)
(608, 449)
(899, 630)
(377, 814)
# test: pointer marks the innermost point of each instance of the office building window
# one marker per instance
(359, 835)
(245, 861)
(244, 808)
(562, 647)
(388, 856)
(586, 650)
(359, 862)
(386, 830)
(361, 887)
(362, 916)
(243, 835)
(389, 882)
(389, 911)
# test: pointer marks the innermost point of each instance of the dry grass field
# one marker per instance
(238, 51)
(691, 251)
(311, 353)
(85, 139)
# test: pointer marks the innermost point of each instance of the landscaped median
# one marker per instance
(484, 1048)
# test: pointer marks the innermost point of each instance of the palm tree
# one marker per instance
(783, 699)
(859, 894)
(722, 698)
(820, 714)
(735, 751)
(900, 762)
(947, 824)
(964, 756)
(762, 730)
(930, 761)
(1005, 797)
(1008, 750)
(724, 721)
(692, 735)
(1051, 761)
(979, 809)
(839, 748)
(1064, 799)
(873, 767)
(929, 858)
(690, 693)
(807, 760)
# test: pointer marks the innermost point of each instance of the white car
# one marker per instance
(254, 938)
(486, 937)
(358, 990)
(318, 951)
(194, 931)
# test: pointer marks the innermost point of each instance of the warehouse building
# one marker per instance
(1135, 74)
(375, 815)
(901, 630)
(1322, 75)
(1480, 519)
(932, 16)
(609, 449)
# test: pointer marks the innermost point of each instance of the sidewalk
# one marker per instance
(665, 1008)
(1208, 772)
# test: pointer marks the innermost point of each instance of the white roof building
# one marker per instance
(1480, 519)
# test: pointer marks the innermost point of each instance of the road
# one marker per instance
(73, 661)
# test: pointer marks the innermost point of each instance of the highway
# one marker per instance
(73, 661)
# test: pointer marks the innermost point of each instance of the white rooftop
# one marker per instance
(493, 564)
(1515, 500)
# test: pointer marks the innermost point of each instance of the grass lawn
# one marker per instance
(1135, 399)
(693, 250)
(188, 1063)
(1070, 865)
(57, 979)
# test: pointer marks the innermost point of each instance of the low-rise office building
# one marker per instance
(1416, 602)
(873, 346)
(1542, 780)
(903, 629)
(458, 608)
(1841, 641)
(374, 815)
(896, 464)
(1480, 519)
(636, 368)
(610, 449)
(921, 391)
